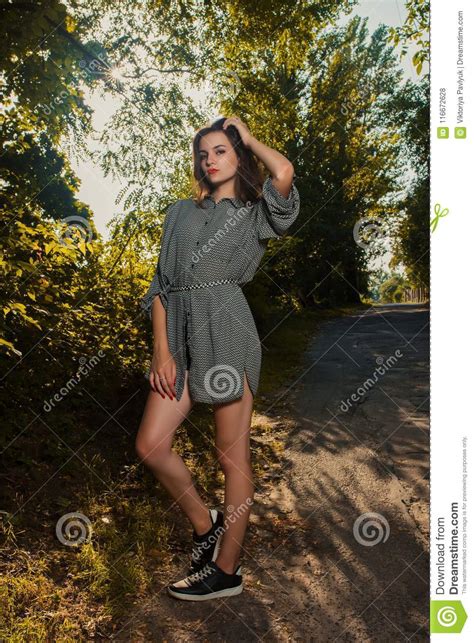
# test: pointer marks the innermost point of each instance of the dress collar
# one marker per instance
(234, 200)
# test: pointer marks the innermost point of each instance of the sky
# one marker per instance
(100, 192)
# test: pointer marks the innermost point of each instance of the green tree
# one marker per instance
(415, 30)
(350, 159)
(412, 234)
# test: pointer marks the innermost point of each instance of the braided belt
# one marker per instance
(204, 284)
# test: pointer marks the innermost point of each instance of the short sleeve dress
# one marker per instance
(207, 253)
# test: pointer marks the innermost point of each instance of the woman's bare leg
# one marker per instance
(160, 420)
(233, 452)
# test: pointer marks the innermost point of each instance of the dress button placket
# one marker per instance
(187, 313)
(185, 329)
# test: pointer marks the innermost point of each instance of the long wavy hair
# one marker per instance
(249, 179)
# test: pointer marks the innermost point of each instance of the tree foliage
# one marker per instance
(415, 29)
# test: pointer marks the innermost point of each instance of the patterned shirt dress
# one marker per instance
(207, 253)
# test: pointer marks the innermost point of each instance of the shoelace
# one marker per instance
(201, 574)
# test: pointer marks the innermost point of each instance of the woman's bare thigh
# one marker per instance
(233, 420)
(161, 417)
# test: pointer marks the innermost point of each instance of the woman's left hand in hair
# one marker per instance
(243, 130)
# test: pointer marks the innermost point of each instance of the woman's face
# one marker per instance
(218, 160)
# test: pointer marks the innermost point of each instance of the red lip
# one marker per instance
(212, 171)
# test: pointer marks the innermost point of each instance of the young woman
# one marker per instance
(206, 345)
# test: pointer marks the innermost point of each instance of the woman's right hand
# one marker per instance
(163, 373)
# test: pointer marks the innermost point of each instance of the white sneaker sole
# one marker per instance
(230, 591)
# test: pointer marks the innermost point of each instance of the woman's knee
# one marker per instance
(231, 462)
(151, 451)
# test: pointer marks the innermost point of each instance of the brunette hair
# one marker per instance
(249, 180)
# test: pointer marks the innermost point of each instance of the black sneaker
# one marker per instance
(209, 582)
(206, 546)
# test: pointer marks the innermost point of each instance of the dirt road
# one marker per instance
(355, 444)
